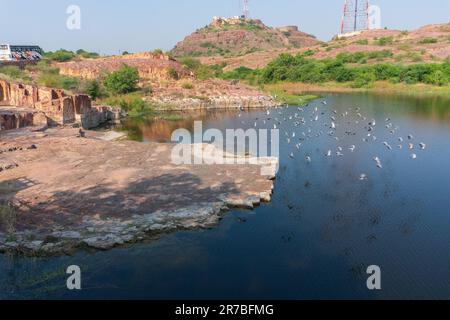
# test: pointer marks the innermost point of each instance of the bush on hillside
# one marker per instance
(122, 81)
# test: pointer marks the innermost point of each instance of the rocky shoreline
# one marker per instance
(71, 193)
(219, 102)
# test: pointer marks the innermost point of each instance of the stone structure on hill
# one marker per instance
(24, 105)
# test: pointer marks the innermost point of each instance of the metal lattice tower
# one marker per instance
(246, 11)
(356, 16)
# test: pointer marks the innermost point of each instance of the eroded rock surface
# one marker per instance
(70, 192)
(150, 66)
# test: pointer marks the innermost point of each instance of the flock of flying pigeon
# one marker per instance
(332, 122)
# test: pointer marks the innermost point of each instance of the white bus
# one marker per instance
(20, 53)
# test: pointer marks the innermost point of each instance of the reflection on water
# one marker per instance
(156, 129)
(316, 238)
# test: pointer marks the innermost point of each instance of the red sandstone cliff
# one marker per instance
(150, 66)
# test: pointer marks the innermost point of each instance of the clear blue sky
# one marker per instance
(111, 26)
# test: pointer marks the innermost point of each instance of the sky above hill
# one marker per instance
(113, 26)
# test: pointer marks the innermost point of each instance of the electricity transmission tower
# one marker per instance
(246, 12)
(356, 16)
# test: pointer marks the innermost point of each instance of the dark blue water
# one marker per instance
(316, 238)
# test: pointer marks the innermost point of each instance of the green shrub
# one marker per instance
(240, 73)
(14, 73)
(61, 55)
(379, 55)
(187, 85)
(201, 71)
(438, 78)
(363, 42)
(131, 103)
(93, 89)
(308, 53)
(428, 41)
(87, 55)
(364, 80)
(122, 81)
(53, 80)
(173, 74)
(299, 69)
(385, 41)
(43, 66)
(207, 45)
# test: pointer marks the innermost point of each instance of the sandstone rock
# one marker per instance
(24, 105)
(104, 242)
(150, 66)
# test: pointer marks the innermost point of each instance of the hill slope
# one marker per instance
(430, 43)
(237, 36)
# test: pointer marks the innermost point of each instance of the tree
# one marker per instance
(122, 81)
(60, 55)
(93, 89)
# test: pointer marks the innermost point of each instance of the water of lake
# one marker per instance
(317, 237)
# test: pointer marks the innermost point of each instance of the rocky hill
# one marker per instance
(430, 43)
(238, 36)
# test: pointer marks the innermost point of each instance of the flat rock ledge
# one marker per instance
(97, 194)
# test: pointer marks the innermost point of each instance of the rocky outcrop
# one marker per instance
(69, 192)
(237, 36)
(28, 105)
(150, 66)
(207, 94)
